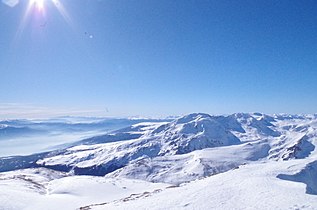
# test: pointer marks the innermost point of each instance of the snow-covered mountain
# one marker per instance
(184, 135)
(32, 136)
(267, 149)
(265, 136)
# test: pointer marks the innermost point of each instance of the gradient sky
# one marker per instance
(159, 57)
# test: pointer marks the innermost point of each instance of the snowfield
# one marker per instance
(198, 161)
(45, 189)
(253, 186)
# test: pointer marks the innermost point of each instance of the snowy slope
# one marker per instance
(152, 142)
(263, 185)
(37, 189)
(253, 186)
(239, 161)
(148, 142)
(177, 169)
(189, 133)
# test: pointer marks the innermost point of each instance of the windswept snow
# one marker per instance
(307, 175)
(184, 135)
(177, 169)
(37, 189)
(253, 186)
(238, 161)
(194, 132)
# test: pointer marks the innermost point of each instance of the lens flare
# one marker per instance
(61, 9)
(39, 4)
(38, 8)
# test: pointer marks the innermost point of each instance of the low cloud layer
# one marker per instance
(16, 110)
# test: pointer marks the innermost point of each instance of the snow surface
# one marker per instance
(198, 161)
(33, 189)
(253, 186)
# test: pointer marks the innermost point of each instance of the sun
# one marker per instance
(37, 8)
(39, 4)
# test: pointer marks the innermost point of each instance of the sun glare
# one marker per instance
(39, 4)
(40, 7)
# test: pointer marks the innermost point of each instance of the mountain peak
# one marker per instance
(193, 132)
(192, 117)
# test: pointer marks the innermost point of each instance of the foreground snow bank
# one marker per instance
(253, 186)
(38, 189)
(307, 175)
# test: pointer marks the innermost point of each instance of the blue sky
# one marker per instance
(159, 57)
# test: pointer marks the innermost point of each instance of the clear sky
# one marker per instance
(158, 57)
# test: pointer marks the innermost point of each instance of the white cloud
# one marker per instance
(30, 111)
